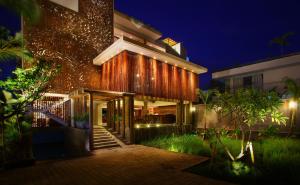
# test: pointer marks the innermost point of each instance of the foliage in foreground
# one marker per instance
(277, 159)
(29, 9)
(246, 107)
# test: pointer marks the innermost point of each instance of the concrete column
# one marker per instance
(129, 117)
(91, 110)
(179, 113)
(114, 116)
(188, 113)
(118, 116)
(108, 115)
(145, 109)
(72, 112)
(122, 128)
(95, 113)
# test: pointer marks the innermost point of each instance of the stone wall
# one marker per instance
(72, 39)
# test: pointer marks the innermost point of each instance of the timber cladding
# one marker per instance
(131, 72)
(72, 39)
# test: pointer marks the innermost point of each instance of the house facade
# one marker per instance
(116, 71)
(265, 74)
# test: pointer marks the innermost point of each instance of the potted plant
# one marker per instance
(82, 121)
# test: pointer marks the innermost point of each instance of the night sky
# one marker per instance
(216, 33)
(221, 33)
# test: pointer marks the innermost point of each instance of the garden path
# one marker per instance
(129, 165)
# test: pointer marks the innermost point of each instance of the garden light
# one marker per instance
(293, 104)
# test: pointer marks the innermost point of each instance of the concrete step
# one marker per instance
(106, 146)
(100, 132)
(102, 137)
(105, 143)
(97, 140)
(97, 127)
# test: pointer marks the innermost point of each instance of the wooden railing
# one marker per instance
(51, 112)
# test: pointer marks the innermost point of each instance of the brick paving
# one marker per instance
(130, 165)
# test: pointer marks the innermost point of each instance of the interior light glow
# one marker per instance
(293, 104)
(148, 126)
(193, 109)
(138, 75)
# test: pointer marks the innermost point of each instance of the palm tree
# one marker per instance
(29, 9)
(205, 96)
(293, 90)
(11, 47)
(282, 41)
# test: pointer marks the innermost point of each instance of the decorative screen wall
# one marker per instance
(72, 39)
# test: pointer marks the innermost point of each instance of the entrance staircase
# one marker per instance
(103, 139)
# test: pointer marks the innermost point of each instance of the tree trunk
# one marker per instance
(3, 142)
(293, 118)
(204, 114)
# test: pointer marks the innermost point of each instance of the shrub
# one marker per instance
(277, 159)
(190, 144)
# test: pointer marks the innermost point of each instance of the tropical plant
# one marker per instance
(82, 117)
(249, 107)
(12, 47)
(282, 41)
(205, 97)
(29, 9)
(20, 91)
(270, 131)
(293, 90)
(26, 86)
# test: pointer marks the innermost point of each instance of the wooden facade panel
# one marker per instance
(130, 72)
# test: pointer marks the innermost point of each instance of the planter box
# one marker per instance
(82, 124)
(77, 141)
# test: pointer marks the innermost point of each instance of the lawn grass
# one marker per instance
(277, 160)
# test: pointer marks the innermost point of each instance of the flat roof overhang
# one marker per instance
(126, 44)
(258, 67)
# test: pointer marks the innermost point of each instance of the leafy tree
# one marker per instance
(282, 41)
(20, 91)
(249, 107)
(205, 97)
(11, 47)
(293, 90)
(29, 9)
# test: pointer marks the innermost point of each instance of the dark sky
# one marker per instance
(221, 33)
(216, 33)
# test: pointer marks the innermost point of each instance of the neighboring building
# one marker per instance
(265, 74)
(114, 67)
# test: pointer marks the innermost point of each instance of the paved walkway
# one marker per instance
(131, 165)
